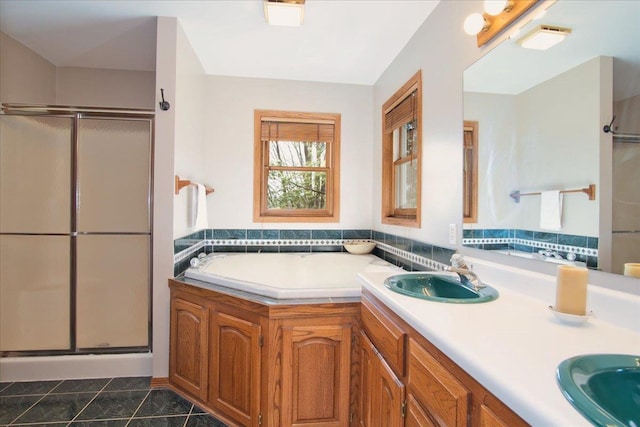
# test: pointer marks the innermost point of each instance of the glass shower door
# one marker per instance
(35, 227)
(114, 232)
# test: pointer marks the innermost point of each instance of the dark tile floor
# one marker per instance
(104, 402)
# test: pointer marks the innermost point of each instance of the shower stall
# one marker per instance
(75, 230)
(625, 130)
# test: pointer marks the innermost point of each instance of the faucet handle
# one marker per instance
(457, 261)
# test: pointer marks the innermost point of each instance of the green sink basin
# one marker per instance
(438, 287)
(604, 388)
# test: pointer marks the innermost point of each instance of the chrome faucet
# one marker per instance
(467, 277)
(550, 254)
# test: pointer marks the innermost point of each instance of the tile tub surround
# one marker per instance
(409, 254)
(585, 248)
(112, 402)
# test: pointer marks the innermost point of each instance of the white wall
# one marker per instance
(25, 76)
(165, 136)
(228, 154)
(189, 104)
(28, 78)
(442, 50)
(78, 86)
(179, 138)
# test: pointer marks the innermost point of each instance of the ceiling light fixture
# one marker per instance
(289, 13)
(543, 37)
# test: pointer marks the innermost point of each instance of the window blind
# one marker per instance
(292, 131)
(401, 114)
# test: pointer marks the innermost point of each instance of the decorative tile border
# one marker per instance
(585, 248)
(409, 254)
(533, 244)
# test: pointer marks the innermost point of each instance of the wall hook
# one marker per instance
(164, 105)
(609, 128)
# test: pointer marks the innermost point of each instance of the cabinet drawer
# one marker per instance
(436, 389)
(386, 335)
(489, 419)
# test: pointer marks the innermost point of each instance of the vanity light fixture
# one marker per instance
(496, 7)
(543, 37)
(476, 22)
(288, 13)
(497, 16)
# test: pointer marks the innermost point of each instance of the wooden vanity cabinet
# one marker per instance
(254, 364)
(438, 392)
(215, 353)
(383, 393)
(235, 367)
(189, 360)
(316, 362)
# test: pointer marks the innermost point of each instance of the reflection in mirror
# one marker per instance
(540, 117)
(470, 172)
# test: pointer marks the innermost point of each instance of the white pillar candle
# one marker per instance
(632, 269)
(571, 290)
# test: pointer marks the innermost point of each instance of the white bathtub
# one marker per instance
(289, 275)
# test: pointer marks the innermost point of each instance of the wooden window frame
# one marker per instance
(390, 214)
(261, 213)
(470, 173)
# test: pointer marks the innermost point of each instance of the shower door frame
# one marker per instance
(77, 114)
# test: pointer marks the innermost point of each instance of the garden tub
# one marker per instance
(288, 275)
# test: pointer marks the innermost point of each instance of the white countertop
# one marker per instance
(513, 345)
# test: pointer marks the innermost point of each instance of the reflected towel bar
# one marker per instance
(590, 191)
(181, 183)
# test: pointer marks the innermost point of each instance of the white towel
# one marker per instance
(201, 221)
(551, 210)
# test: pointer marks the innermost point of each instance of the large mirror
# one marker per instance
(552, 185)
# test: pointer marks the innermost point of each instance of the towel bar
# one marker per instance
(181, 183)
(590, 191)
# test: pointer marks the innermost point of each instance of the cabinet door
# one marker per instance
(368, 361)
(436, 389)
(188, 361)
(382, 392)
(390, 397)
(235, 368)
(416, 416)
(316, 364)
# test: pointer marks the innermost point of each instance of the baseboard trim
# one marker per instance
(162, 382)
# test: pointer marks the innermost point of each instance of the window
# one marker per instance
(296, 167)
(470, 168)
(401, 158)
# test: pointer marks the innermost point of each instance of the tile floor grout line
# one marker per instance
(90, 401)
(138, 408)
(7, 385)
(35, 403)
(186, 421)
(85, 389)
